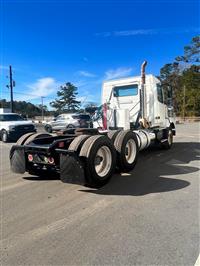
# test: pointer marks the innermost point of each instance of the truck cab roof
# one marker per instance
(132, 79)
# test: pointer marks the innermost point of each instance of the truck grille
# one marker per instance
(24, 127)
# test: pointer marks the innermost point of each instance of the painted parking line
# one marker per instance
(197, 263)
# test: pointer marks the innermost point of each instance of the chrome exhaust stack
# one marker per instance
(143, 92)
(143, 103)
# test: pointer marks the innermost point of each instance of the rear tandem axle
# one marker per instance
(84, 156)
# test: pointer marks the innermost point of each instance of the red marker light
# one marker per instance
(51, 160)
(30, 157)
(61, 144)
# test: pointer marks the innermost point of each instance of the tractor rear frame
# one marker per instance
(84, 156)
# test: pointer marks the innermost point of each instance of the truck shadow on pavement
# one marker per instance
(154, 171)
(45, 177)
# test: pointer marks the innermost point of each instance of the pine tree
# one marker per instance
(191, 52)
(183, 78)
(67, 99)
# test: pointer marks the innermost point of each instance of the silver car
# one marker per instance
(66, 121)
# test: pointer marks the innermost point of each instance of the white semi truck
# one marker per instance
(134, 117)
(123, 99)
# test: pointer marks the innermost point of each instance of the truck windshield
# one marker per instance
(11, 117)
(129, 90)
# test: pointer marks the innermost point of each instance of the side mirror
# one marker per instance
(114, 93)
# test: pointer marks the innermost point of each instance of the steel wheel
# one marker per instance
(131, 151)
(126, 145)
(103, 161)
(98, 156)
(168, 137)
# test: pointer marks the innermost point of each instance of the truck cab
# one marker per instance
(123, 96)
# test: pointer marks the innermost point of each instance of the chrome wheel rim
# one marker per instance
(103, 161)
(131, 150)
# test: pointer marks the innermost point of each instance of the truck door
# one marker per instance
(161, 108)
(127, 97)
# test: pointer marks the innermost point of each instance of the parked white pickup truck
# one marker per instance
(13, 126)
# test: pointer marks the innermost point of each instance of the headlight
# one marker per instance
(11, 128)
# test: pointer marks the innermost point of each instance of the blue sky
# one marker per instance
(85, 42)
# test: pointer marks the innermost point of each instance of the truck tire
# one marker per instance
(77, 143)
(36, 136)
(4, 135)
(126, 145)
(99, 157)
(169, 140)
(23, 138)
(113, 134)
(48, 128)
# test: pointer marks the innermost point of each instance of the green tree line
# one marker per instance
(24, 108)
(181, 78)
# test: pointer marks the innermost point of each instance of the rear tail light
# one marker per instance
(61, 144)
(51, 160)
(40, 159)
(30, 157)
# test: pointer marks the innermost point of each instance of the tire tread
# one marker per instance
(36, 136)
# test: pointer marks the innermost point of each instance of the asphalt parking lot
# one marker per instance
(147, 217)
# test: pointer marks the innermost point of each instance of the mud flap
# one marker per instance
(17, 160)
(71, 169)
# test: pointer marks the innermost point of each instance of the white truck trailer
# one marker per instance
(134, 117)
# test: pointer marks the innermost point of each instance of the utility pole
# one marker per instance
(42, 97)
(184, 103)
(11, 89)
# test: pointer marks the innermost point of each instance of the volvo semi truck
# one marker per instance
(134, 117)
